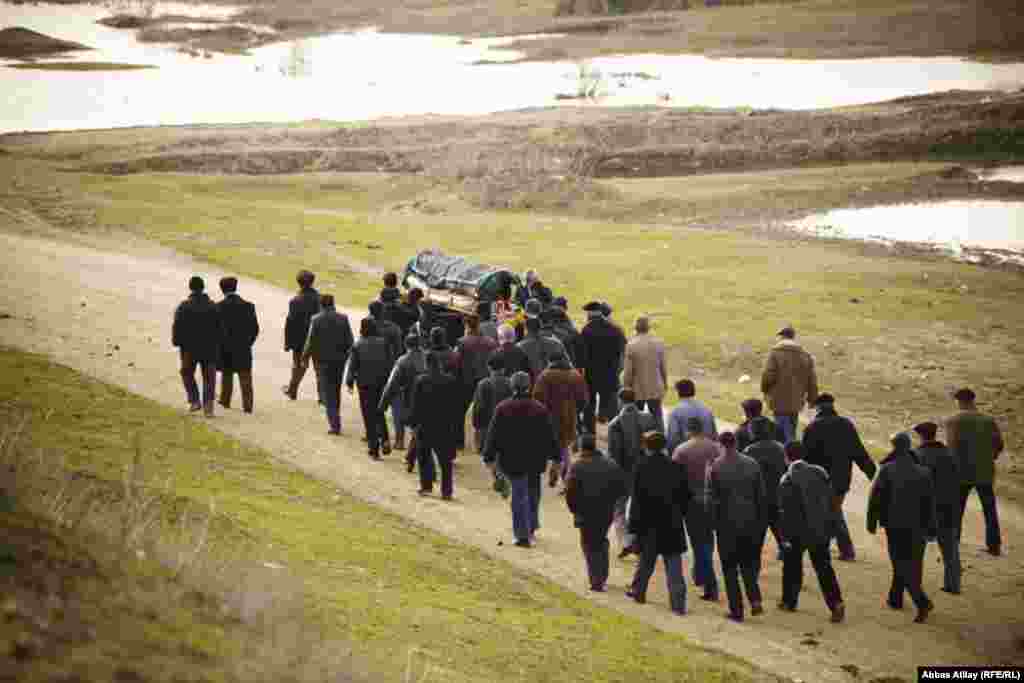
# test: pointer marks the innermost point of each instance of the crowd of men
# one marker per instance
(534, 394)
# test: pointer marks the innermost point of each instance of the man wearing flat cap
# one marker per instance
(976, 442)
(198, 333)
(601, 349)
(657, 513)
(789, 381)
(832, 442)
(945, 472)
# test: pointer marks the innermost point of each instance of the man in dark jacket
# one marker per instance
(521, 441)
(240, 326)
(328, 345)
(435, 411)
(737, 496)
(301, 310)
(592, 488)
(657, 512)
(805, 506)
(976, 443)
(513, 358)
(392, 334)
(539, 348)
(601, 348)
(696, 455)
(398, 390)
(490, 391)
(945, 472)
(488, 326)
(832, 442)
(902, 501)
(369, 366)
(445, 353)
(753, 410)
(557, 320)
(771, 456)
(474, 350)
(625, 447)
(197, 332)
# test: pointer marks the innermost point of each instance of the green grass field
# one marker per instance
(371, 581)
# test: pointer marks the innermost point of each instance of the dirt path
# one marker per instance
(75, 302)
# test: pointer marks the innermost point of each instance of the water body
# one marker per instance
(966, 229)
(365, 75)
(1006, 174)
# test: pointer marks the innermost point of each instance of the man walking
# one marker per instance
(752, 410)
(645, 371)
(737, 497)
(398, 390)
(657, 512)
(625, 447)
(559, 388)
(945, 472)
(592, 488)
(435, 411)
(513, 358)
(902, 502)
(688, 407)
(832, 442)
(474, 350)
(539, 348)
(976, 443)
(369, 366)
(788, 381)
(490, 392)
(696, 455)
(240, 326)
(521, 442)
(805, 506)
(301, 310)
(771, 456)
(601, 348)
(197, 332)
(328, 345)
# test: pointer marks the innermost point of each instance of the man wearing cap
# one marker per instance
(831, 441)
(976, 442)
(301, 310)
(688, 407)
(435, 413)
(560, 388)
(945, 472)
(752, 410)
(328, 345)
(902, 501)
(625, 447)
(473, 350)
(513, 358)
(696, 455)
(490, 392)
(602, 345)
(657, 512)
(592, 488)
(557, 322)
(789, 381)
(398, 390)
(645, 370)
(737, 497)
(197, 331)
(240, 327)
(805, 506)
(771, 456)
(539, 347)
(521, 442)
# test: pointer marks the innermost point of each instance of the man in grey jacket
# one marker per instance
(398, 390)
(539, 348)
(625, 434)
(328, 344)
(369, 366)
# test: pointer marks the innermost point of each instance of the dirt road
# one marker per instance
(105, 309)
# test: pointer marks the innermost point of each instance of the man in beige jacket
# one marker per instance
(789, 381)
(645, 372)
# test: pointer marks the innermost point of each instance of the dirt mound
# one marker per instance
(21, 43)
(267, 162)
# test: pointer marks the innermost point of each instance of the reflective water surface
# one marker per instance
(956, 225)
(366, 74)
(1007, 174)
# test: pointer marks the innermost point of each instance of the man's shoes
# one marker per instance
(334, 432)
(734, 616)
(597, 589)
(227, 406)
(994, 551)
(386, 448)
(374, 454)
(894, 605)
(194, 407)
(950, 591)
(638, 598)
(839, 614)
(709, 597)
(785, 606)
(208, 410)
(289, 393)
(922, 614)
(425, 492)
(521, 543)
(756, 609)
(446, 497)
(410, 466)
(847, 557)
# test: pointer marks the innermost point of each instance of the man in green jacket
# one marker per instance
(976, 443)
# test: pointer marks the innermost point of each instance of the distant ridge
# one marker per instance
(21, 43)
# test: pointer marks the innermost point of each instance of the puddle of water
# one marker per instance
(1006, 174)
(365, 75)
(955, 226)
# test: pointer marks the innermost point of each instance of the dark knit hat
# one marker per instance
(965, 395)
(927, 430)
(196, 284)
(592, 306)
(824, 399)
(787, 331)
(727, 439)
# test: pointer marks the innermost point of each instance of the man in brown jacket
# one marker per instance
(645, 371)
(558, 388)
(789, 381)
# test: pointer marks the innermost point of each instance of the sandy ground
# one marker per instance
(76, 301)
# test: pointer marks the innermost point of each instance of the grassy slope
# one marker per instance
(370, 578)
